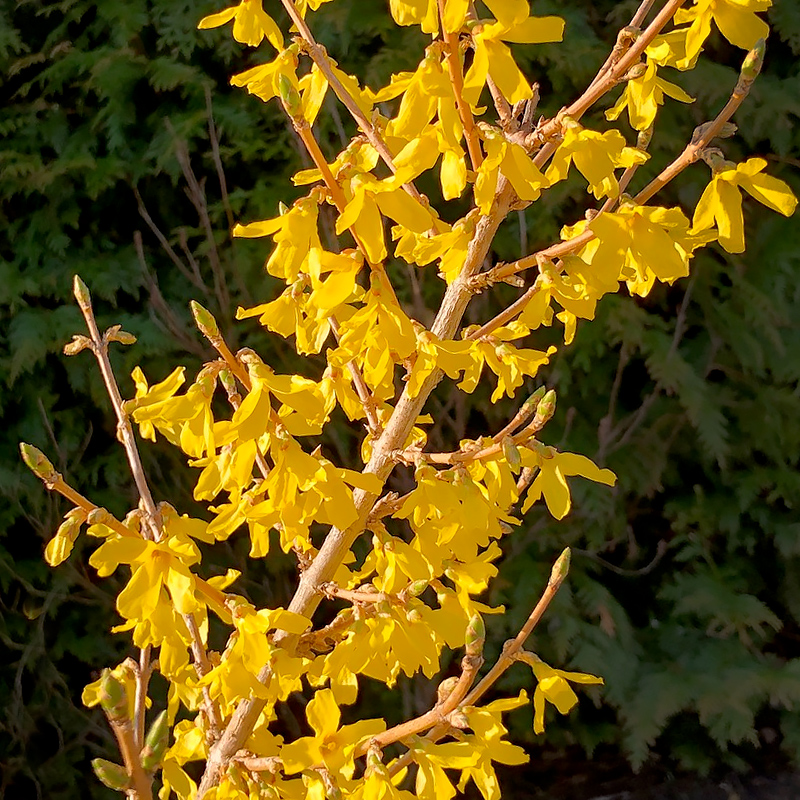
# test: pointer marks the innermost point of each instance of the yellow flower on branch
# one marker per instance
(331, 746)
(721, 202)
(492, 57)
(551, 481)
(643, 96)
(553, 687)
(736, 20)
(596, 155)
(251, 24)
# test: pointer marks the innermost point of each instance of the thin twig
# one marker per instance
(457, 79)
(320, 58)
(124, 429)
(197, 196)
(190, 275)
(513, 646)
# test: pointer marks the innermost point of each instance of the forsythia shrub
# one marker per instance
(410, 589)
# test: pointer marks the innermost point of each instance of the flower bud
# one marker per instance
(81, 292)
(545, 409)
(290, 97)
(475, 635)
(205, 321)
(445, 689)
(113, 696)
(155, 745)
(37, 462)
(561, 567)
(110, 774)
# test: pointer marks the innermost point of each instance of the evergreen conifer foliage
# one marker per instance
(389, 583)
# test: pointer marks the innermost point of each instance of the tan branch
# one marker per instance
(124, 428)
(338, 542)
(320, 58)
(454, 67)
(513, 646)
(449, 701)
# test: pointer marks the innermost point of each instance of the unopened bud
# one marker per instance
(413, 615)
(113, 696)
(155, 745)
(545, 409)
(445, 689)
(79, 342)
(753, 62)
(81, 292)
(228, 381)
(532, 403)
(636, 71)
(511, 453)
(290, 97)
(205, 321)
(416, 588)
(560, 568)
(98, 516)
(475, 635)
(37, 462)
(110, 774)
(458, 719)
(643, 139)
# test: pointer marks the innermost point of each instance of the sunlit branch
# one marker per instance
(320, 58)
(454, 67)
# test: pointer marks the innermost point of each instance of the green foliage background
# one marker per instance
(685, 589)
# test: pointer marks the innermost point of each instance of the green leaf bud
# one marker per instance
(110, 774)
(545, 409)
(416, 588)
(511, 453)
(37, 462)
(561, 567)
(532, 403)
(290, 97)
(79, 342)
(155, 745)
(205, 321)
(113, 696)
(753, 61)
(116, 334)
(81, 292)
(475, 636)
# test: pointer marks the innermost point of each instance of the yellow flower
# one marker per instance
(721, 202)
(596, 155)
(736, 20)
(251, 24)
(643, 96)
(551, 482)
(493, 58)
(553, 687)
(331, 746)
